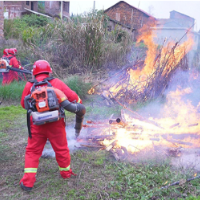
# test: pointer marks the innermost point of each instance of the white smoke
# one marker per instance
(73, 145)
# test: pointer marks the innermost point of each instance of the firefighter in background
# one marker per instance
(54, 131)
(5, 53)
(10, 76)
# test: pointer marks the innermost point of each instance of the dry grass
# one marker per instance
(74, 47)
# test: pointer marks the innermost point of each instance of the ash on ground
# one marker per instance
(189, 158)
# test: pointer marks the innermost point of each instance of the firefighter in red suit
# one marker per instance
(54, 131)
(10, 76)
(5, 52)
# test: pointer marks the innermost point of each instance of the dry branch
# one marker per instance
(193, 125)
(182, 181)
(177, 124)
(108, 148)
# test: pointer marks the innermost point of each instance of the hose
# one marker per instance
(79, 110)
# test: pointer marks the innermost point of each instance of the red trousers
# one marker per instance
(9, 77)
(55, 132)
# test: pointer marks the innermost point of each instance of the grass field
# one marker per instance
(99, 176)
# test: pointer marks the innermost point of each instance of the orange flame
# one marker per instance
(179, 118)
(164, 60)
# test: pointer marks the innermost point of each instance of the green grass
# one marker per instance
(193, 198)
(102, 112)
(9, 115)
(78, 85)
(99, 176)
(12, 91)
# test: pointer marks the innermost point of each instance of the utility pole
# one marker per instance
(1, 22)
(94, 6)
(61, 10)
(139, 4)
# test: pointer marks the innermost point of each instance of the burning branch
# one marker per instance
(152, 76)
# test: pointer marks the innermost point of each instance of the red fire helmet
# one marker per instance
(5, 52)
(15, 50)
(41, 66)
(12, 51)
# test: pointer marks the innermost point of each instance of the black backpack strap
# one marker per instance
(31, 81)
(37, 83)
(28, 115)
(9, 57)
(49, 78)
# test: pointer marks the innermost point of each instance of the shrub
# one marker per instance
(82, 44)
(75, 47)
(78, 85)
(13, 28)
(35, 20)
(12, 91)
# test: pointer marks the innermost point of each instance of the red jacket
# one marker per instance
(57, 83)
(14, 62)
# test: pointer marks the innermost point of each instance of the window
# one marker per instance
(41, 3)
(118, 16)
(66, 6)
(41, 6)
(27, 3)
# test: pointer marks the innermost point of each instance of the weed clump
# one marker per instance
(78, 85)
(79, 45)
(13, 28)
(12, 91)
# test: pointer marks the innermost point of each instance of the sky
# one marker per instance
(159, 8)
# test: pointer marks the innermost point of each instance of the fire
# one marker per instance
(165, 61)
(178, 128)
(91, 90)
(147, 37)
(159, 64)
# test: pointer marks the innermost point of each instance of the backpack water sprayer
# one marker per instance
(46, 104)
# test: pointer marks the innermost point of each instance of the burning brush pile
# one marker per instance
(149, 76)
(131, 133)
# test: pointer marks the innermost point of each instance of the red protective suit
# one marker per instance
(54, 131)
(10, 76)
